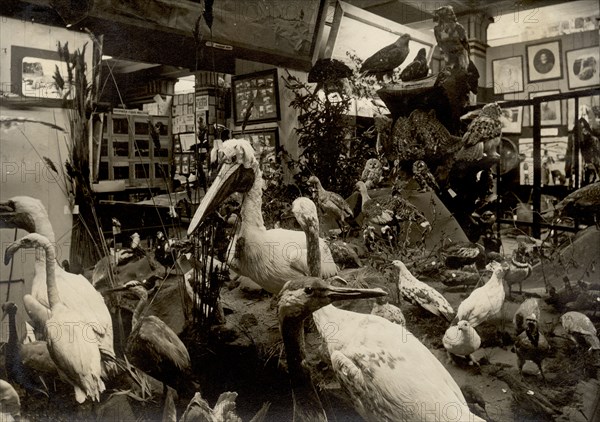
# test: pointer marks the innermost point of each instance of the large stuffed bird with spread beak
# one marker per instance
(269, 257)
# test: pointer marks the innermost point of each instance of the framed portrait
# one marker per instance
(544, 61)
(507, 75)
(257, 92)
(550, 110)
(512, 119)
(582, 67)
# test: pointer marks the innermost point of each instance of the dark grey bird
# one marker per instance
(152, 345)
(329, 74)
(417, 69)
(423, 176)
(387, 59)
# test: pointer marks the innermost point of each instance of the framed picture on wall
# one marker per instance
(507, 75)
(587, 105)
(544, 61)
(549, 110)
(512, 119)
(265, 143)
(582, 67)
(257, 94)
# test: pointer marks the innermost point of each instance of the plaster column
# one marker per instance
(476, 24)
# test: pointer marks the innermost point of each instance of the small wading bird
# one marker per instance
(264, 255)
(387, 372)
(152, 346)
(387, 59)
(75, 291)
(25, 362)
(332, 203)
(77, 356)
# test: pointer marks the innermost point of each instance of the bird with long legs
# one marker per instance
(75, 291)
(268, 257)
(388, 373)
(152, 346)
(75, 353)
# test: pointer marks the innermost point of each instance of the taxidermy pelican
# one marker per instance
(75, 352)
(299, 298)
(152, 345)
(10, 404)
(386, 371)
(269, 257)
(75, 291)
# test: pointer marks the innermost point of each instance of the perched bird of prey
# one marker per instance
(387, 59)
(451, 38)
(417, 69)
(432, 136)
(584, 203)
(372, 173)
(483, 135)
(385, 143)
(424, 177)
(328, 74)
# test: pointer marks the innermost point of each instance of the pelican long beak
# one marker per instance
(349, 293)
(4, 313)
(231, 178)
(125, 286)
(7, 215)
(10, 251)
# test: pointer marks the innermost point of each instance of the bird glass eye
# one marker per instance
(308, 290)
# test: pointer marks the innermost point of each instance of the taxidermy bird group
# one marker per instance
(400, 313)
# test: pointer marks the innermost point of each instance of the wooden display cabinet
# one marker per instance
(127, 152)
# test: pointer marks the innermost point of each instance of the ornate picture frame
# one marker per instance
(507, 75)
(544, 61)
(583, 67)
(259, 89)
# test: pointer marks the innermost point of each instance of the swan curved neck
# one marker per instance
(137, 313)
(251, 211)
(53, 297)
(313, 254)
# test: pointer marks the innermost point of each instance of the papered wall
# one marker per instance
(568, 43)
(22, 148)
